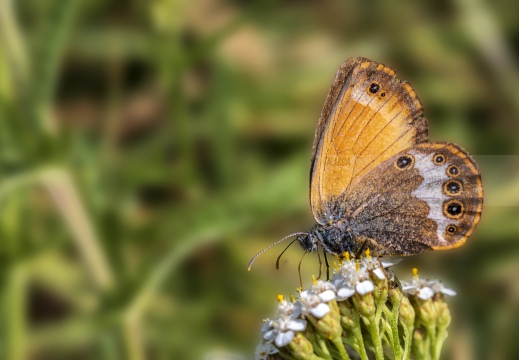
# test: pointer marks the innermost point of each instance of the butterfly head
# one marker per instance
(308, 241)
(335, 238)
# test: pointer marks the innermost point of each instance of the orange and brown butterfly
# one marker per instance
(376, 182)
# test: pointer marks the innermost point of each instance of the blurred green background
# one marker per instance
(148, 149)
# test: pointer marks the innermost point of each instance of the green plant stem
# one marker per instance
(431, 337)
(441, 335)
(360, 348)
(340, 346)
(374, 332)
(324, 348)
(392, 316)
(407, 341)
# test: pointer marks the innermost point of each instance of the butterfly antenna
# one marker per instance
(299, 270)
(279, 257)
(271, 246)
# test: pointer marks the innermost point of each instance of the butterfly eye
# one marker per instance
(453, 209)
(451, 229)
(453, 170)
(404, 162)
(374, 88)
(452, 187)
(439, 159)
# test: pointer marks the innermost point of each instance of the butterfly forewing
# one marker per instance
(368, 117)
(427, 197)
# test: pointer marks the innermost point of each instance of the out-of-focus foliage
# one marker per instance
(149, 148)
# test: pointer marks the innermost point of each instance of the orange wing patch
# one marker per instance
(369, 116)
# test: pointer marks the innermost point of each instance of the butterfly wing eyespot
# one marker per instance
(369, 116)
(374, 88)
(453, 170)
(451, 229)
(438, 159)
(453, 209)
(404, 162)
(453, 188)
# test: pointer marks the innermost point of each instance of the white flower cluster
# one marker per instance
(349, 278)
(425, 288)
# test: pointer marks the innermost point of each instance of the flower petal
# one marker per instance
(269, 334)
(379, 273)
(265, 349)
(327, 295)
(425, 293)
(283, 338)
(320, 310)
(345, 293)
(448, 291)
(297, 325)
(365, 287)
(389, 262)
(407, 287)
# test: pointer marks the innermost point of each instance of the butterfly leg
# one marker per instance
(320, 264)
(299, 270)
(327, 266)
(361, 250)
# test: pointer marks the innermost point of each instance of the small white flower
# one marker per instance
(288, 309)
(373, 265)
(438, 287)
(353, 277)
(425, 289)
(324, 289)
(282, 330)
(311, 303)
(263, 350)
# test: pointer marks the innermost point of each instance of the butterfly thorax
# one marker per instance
(335, 237)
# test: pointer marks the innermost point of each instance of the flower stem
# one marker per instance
(431, 337)
(324, 348)
(408, 331)
(340, 346)
(440, 338)
(392, 316)
(373, 329)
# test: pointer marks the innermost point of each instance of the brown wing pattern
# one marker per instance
(369, 116)
(421, 204)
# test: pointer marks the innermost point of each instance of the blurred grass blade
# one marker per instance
(13, 46)
(69, 204)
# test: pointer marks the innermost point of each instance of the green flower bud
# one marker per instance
(349, 316)
(380, 292)
(442, 311)
(300, 348)
(419, 347)
(425, 311)
(364, 304)
(329, 326)
(406, 313)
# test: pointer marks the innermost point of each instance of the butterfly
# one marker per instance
(376, 182)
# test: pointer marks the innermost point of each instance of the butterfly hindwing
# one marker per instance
(368, 117)
(427, 197)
